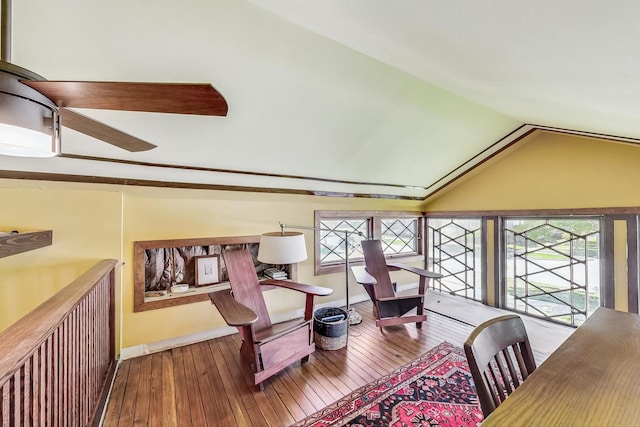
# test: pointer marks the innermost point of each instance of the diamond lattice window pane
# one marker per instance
(399, 236)
(553, 267)
(454, 250)
(332, 239)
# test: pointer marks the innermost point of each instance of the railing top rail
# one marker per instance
(21, 339)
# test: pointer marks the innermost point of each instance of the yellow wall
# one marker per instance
(548, 171)
(86, 228)
(92, 222)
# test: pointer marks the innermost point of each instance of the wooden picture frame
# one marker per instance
(207, 270)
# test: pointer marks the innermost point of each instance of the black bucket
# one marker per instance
(330, 326)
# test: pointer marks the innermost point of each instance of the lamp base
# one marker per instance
(354, 317)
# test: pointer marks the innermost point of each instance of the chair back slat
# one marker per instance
(518, 350)
(245, 285)
(377, 267)
(505, 380)
(491, 390)
(500, 358)
(514, 374)
(496, 379)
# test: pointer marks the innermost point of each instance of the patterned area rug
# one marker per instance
(435, 390)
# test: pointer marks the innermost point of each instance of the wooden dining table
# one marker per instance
(592, 379)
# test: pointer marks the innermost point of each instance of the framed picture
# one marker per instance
(207, 270)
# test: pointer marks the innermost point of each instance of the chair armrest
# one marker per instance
(416, 270)
(233, 313)
(300, 287)
(361, 275)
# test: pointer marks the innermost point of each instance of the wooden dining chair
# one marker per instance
(267, 348)
(500, 359)
(388, 307)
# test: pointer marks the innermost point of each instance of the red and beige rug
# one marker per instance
(435, 390)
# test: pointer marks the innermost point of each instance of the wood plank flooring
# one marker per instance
(206, 384)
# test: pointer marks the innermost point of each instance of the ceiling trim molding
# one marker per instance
(231, 171)
(44, 176)
(613, 138)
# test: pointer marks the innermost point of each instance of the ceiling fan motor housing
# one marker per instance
(24, 107)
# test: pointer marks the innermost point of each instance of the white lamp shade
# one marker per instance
(282, 248)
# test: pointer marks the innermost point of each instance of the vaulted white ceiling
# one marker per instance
(365, 97)
(571, 64)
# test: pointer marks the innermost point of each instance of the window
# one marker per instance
(332, 239)
(399, 236)
(454, 250)
(552, 267)
(398, 231)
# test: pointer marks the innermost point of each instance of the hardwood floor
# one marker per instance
(205, 384)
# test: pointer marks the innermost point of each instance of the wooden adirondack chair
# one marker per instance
(389, 308)
(267, 348)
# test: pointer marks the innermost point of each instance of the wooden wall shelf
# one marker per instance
(11, 244)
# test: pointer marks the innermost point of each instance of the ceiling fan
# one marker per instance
(32, 107)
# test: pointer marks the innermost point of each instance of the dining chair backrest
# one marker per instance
(500, 359)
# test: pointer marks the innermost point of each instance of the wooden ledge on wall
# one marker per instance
(12, 243)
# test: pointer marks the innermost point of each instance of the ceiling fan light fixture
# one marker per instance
(23, 142)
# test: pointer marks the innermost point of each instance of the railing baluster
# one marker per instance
(33, 402)
(62, 373)
(84, 353)
(74, 371)
(49, 381)
(65, 364)
(42, 384)
(12, 401)
(54, 378)
(26, 393)
(3, 411)
(81, 353)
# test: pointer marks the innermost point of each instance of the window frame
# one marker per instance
(374, 231)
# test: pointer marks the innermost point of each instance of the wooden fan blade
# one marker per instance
(96, 129)
(179, 98)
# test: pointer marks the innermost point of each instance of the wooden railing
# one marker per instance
(57, 362)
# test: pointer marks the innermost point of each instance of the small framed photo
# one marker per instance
(207, 270)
